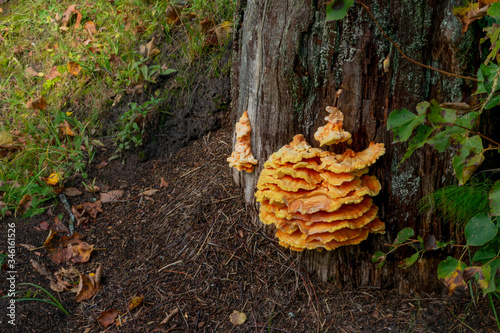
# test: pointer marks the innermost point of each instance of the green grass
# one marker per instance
(112, 63)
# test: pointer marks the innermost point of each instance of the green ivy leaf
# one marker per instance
(402, 122)
(418, 140)
(337, 9)
(379, 257)
(407, 262)
(485, 75)
(448, 266)
(439, 116)
(494, 10)
(422, 107)
(484, 255)
(480, 230)
(494, 198)
(468, 159)
(403, 235)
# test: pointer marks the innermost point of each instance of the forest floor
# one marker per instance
(192, 248)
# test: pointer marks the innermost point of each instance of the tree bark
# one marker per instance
(288, 63)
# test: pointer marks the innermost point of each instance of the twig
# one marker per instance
(408, 58)
(71, 216)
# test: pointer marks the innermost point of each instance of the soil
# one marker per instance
(196, 248)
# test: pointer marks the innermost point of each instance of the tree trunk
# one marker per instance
(288, 62)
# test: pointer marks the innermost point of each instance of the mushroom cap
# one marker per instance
(337, 179)
(307, 163)
(295, 241)
(335, 115)
(309, 205)
(310, 176)
(331, 134)
(286, 183)
(350, 161)
(296, 151)
(241, 158)
(376, 226)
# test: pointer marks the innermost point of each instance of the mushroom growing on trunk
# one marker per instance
(242, 158)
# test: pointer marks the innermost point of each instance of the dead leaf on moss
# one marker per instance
(74, 68)
(32, 72)
(89, 285)
(90, 27)
(111, 196)
(53, 73)
(108, 317)
(37, 104)
(24, 204)
(135, 302)
(68, 14)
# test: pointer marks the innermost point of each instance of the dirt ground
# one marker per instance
(193, 247)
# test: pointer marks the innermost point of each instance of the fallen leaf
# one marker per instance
(59, 227)
(454, 280)
(81, 252)
(108, 317)
(90, 26)
(40, 269)
(37, 103)
(172, 13)
(163, 183)
(53, 73)
(91, 209)
(66, 129)
(150, 192)
(44, 225)
(65, 278)
(101, 165)
(114, 59)
(61, 255)
(6, 139)
(135, 302)
(68, 13)
(88, 285)
(31, 72)
(53, 178)
(74, 68)
(237, 318)
(28, 246)
(219, 35)
(111, 196)
(24, 204)
(72, 192)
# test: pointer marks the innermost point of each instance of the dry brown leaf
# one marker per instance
(44, 225)
(108, 317)
(74, 68)
(61, 255)
(114, 59)
(66, 129)
(111, 196)
(72, 192)
(68, 13)
(90, 26)
(52, 242)
(163, 183)
(237, 318)
(28, 246)
(88, 208)
(59, 227)
(81, 252)
(88, 285)
(172, 13)
(31, 72)
(101, 165)
(24, 204)
(40, 269)
(135, 302)
(149, 192)
(37, 104)
(53, 73)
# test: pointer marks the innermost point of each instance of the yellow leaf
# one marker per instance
(74, 68)
(53, 179)
(66, 129)
(237, 318)
(69, 113)
(135, 302)
(6, 139)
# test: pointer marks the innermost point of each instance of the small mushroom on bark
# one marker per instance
(242, 158)
(332, 132)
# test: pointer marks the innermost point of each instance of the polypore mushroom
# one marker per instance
(332, 132)
(317, 199)
(242, 158)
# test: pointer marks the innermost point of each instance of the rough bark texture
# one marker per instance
(288, 63)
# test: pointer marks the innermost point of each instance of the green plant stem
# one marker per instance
(494, 311)
(408, 58)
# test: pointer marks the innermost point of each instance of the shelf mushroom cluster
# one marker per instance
(241, 157)
(318, 199)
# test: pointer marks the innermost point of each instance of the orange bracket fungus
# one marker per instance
(318, 199)
(242, 158)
